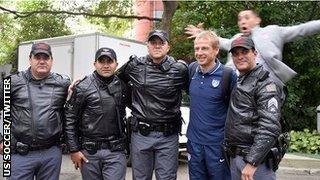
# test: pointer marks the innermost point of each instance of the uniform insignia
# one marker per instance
(273, 105)
(271, 88)
(215, 83)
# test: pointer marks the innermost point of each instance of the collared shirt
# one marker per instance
(207, 107)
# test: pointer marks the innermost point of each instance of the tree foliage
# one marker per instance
(39, 26)
(302, 55)
(16, 30)
(113, 26)
(37, 19)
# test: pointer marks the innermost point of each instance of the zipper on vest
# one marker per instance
(34, 137)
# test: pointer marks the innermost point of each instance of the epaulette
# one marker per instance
(18, 73)
(62, 76)
(263, 75)
(78, 81)
(142, 59)
(10, 75)
(132, 57)
(16, 76)
(182, 62)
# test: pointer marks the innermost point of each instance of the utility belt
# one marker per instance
(231, 151)
(240, 151)
(146, 127)
(273, 157)
(23, 149)
(92, 146)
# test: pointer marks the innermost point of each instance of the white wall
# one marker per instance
(124, 49)
(61, 52)
(84, 52)
(74, 55)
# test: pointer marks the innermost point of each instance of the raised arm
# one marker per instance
(290, 33)
(73, 114)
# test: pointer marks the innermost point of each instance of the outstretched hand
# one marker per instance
(193, 31)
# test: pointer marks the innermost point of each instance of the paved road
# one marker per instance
(69, 173)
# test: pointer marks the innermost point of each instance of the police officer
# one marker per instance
(157, 80)
(94, 121)
(253, 119)
(37, 99)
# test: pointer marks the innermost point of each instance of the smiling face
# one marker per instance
(40, 65)
(206, 49)
(205, 53)
(247, 20)
(105, 66)
(244, 59)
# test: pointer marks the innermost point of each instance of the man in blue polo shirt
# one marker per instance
(208, 109)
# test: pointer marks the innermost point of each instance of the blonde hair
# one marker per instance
(211, 36)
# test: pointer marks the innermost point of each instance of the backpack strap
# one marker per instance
(225, 86)
(191, 71)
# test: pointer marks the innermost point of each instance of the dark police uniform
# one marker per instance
(253, 122)
(156, 99)
(94, 125)
(37, 122)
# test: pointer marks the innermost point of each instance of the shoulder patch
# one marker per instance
(271, 88)
(273, 105)
(64, 76)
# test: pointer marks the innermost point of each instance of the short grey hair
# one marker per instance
(211, 36)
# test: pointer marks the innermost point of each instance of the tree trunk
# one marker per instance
(169, 8)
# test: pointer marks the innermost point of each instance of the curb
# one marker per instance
(298, 171)
(299, 165)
